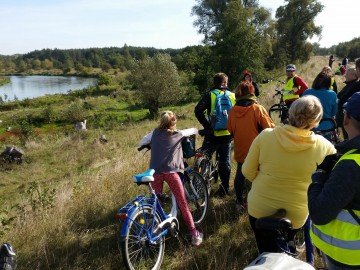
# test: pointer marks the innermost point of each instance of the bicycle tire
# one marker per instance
(136, 249)
(202, 166)
(275, 112)
(197, 196)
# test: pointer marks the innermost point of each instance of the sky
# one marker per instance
(28, 25)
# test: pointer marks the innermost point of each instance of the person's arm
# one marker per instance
(250, 167)
(229, 124)
(334, 107)
(257, 90)
(326, 198)
(265, 120)
(203, 106)
(301, 85)
(146, 139)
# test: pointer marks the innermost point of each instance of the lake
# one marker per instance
(35, 86)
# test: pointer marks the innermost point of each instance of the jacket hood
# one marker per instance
(241, 110)
(293, 139)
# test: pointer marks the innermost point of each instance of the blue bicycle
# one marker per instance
(146, 224)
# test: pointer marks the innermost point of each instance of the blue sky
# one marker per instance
(28, 25)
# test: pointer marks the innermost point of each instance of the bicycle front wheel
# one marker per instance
(275, 113)
(197, 196)
(202, 166)
(137, 250)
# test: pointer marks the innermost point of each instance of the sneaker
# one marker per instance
(197, 239)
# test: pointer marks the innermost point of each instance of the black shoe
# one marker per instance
(221, 192)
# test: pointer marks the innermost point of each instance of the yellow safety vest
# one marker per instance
(332, 83)
(287, 88)
(340, 238)
(213, 98)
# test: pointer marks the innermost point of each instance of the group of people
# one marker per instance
(289, 166)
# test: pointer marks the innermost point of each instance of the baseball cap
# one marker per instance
(352, 106)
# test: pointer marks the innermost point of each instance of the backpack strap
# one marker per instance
(352, 213)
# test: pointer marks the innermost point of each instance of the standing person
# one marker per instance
(328, 98)
(331, 60)
(351, 80)
(246, 120)
(217, 140)
(295, 86)
(334, 198)
(167, 161)
(345, 62)
(279, 165)
(248, 77)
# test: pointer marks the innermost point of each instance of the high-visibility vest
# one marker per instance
(340, 238)
(287, 88)
(332, 83)
(213, 98)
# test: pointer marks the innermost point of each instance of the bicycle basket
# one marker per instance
(188, 146)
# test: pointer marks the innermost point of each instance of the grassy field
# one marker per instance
(58, 207)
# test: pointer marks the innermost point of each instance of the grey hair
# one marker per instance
(305, 112)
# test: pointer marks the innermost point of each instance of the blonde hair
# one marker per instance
(305, 112)
(168, 121)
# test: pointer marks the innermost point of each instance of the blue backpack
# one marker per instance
(223, 105)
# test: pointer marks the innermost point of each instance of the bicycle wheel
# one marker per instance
(202, 166)
(197, 196)
(136, 249)
(275, 113)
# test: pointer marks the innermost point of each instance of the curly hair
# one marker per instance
(168, 121)
(305, 112)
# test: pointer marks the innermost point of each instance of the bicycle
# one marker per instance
(332, 133)
(279, 110)
(146, 224)
(281, 225)
(205, 165)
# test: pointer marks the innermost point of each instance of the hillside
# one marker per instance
(58, 207)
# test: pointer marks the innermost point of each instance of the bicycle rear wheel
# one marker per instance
(136, 249)
(197, 196)
(202, 166)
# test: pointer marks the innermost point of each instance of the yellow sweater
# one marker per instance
(279, 164)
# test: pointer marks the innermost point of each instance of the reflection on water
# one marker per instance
(35, 86)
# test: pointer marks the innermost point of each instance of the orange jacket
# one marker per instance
(244, 124)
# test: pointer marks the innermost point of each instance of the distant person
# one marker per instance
(7, 257)
(248, 77)
(334, 198)
(351, 80)
(333, 85)
(345, 62)
(295, 86)
(331, 60)
(328, 98)
(246, 120)
(279, 164)
(341, 70)
(218, 140)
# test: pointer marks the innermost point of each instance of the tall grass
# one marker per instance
(58, 207)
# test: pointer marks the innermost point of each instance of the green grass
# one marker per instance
(58, 207)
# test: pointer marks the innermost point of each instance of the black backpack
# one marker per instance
(7, 257)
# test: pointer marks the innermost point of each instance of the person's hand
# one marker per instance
(319, 177)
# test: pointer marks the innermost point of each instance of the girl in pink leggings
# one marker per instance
(167, 161)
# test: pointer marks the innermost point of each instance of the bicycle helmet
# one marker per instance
(290, 67)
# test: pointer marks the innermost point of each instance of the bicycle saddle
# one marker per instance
(277, 221)
(144, 178)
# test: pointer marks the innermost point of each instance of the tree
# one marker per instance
(237, 33)
(295, 25)
(157, 81)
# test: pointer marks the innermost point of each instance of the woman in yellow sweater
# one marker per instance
(280, 163)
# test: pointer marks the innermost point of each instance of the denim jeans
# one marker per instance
(223, 153)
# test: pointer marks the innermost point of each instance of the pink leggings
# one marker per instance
(174, 182)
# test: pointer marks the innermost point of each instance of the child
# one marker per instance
(167, 161)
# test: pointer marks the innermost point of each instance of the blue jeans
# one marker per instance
(223, 154)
